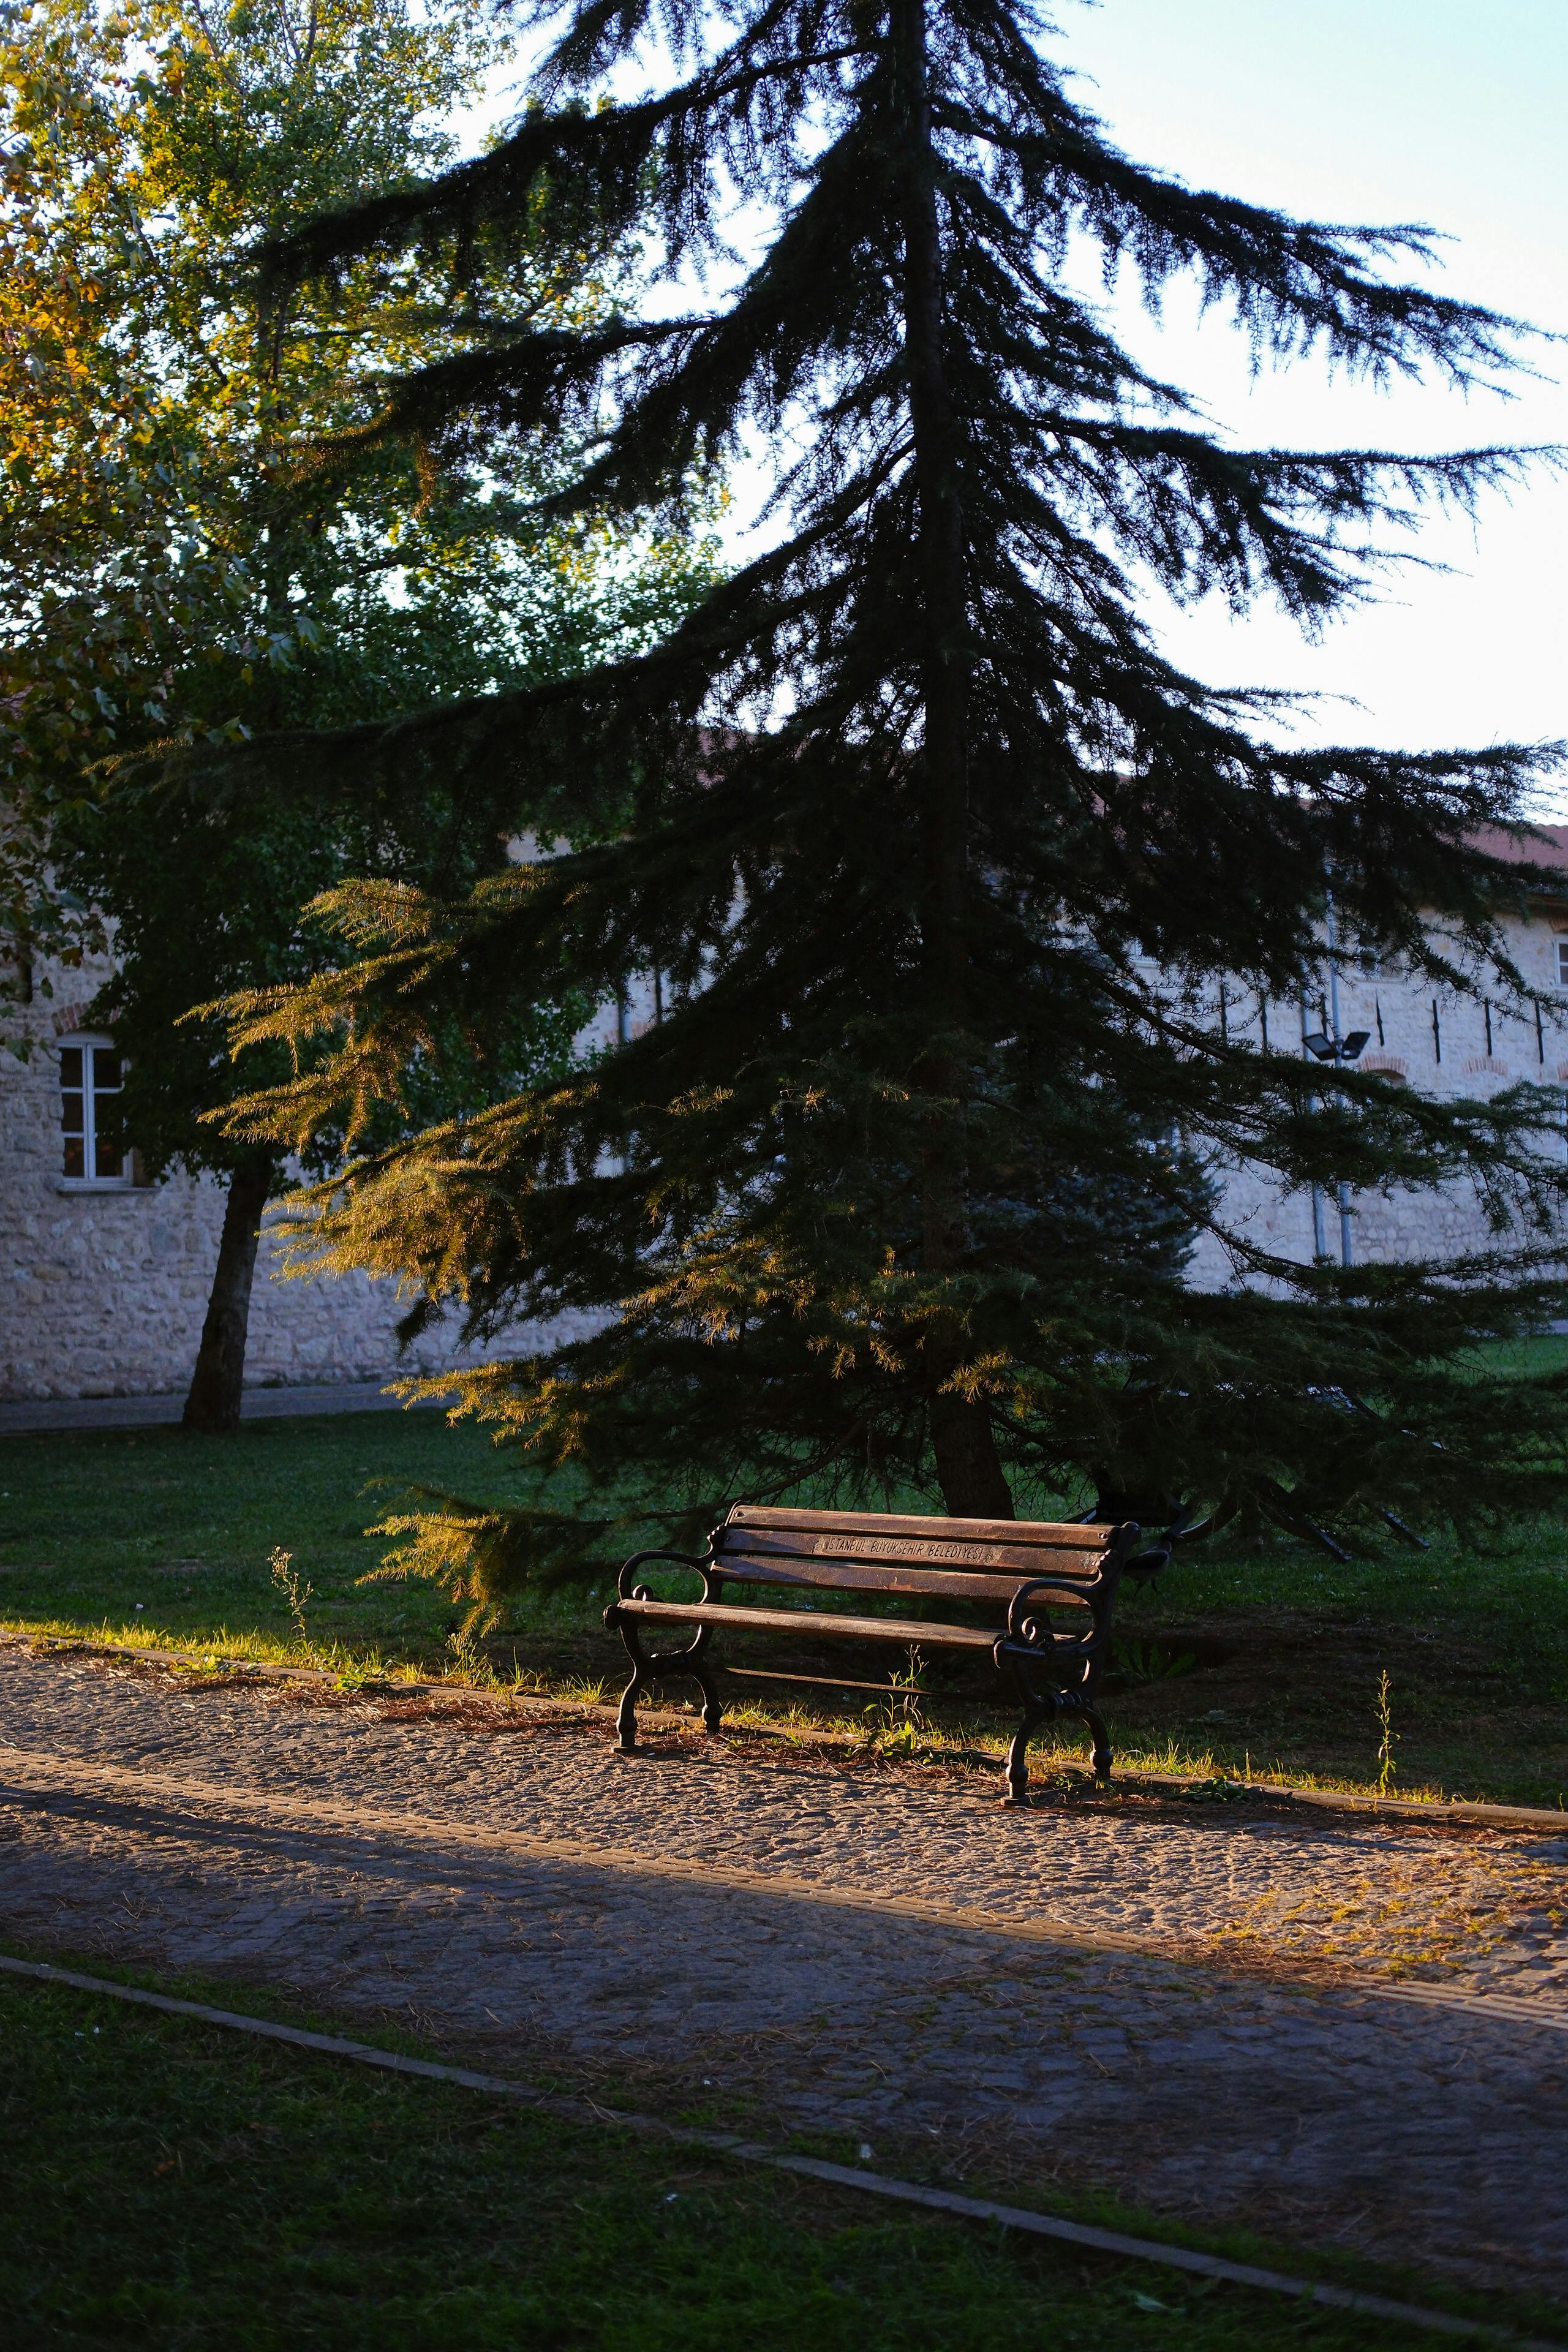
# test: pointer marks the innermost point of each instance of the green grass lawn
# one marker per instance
(1272, 1661)
(107, 1527)
(170, 2185)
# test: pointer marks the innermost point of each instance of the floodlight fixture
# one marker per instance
(1342, 1049)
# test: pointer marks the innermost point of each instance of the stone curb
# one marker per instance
(1025, 2219)
(87, 1416)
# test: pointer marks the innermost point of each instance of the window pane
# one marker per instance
(74, 1162)
(109, 1160)
(70, 1066)
(1563, 961)
(70, 1114)
(105, 1069)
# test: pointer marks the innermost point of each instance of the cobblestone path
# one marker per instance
(1344, 2030)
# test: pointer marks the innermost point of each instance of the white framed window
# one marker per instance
(1562, 950)
(91, 1077)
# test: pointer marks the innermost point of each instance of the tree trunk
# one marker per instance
(968, 1467)
(974, 1484)
(212, 1404)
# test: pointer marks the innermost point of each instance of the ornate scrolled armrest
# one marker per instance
(628, 1590)
(1030, 1631)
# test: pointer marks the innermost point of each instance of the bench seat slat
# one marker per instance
(851, 1576)
(915, 1555)
(810, 1622)
(1049, 1533)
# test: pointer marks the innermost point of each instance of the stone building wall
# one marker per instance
(105, 1289)
(1444, 1045)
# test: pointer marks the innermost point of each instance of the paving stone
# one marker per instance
(798, 1936)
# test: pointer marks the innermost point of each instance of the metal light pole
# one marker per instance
(1319, 1247)
(1344, 1190)
(1338, 1049)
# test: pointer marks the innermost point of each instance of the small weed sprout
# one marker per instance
(295, 1591)
(469, 1664)
(584, 1692)
(1385, 1764)
(901, 1722)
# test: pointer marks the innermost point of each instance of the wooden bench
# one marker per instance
(1039, 1598)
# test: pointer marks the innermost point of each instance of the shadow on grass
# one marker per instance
(168, 2182)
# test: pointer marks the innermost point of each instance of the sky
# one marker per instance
(1376, 110)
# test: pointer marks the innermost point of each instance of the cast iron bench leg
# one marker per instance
(1096, 1723)
(1044, 1706)
(1015, 1773)
(647, 1670)
(626, 1717)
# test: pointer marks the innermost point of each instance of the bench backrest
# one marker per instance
(879, 1551)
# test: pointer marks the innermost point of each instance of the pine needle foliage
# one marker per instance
(896, 1195)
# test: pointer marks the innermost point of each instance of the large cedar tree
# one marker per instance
(896, 1194)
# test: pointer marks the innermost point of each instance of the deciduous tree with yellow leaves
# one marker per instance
(175, 572)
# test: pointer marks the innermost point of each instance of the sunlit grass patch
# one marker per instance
(1237, 1665)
